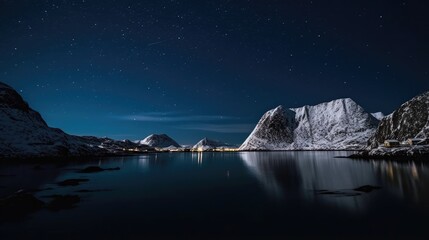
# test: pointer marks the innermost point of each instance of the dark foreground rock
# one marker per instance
(367, 188)
(18, 205)
(95, 169)
(72, 182)
(348, 192)
(60, 202)
(93, 190)
(400, 153)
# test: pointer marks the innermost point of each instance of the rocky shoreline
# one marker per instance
(399, 153)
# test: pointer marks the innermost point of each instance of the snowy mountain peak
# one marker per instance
(9, 98)
(159, 141)
(338, 124)
(4, 86)
(208, 144)
(378, 115)
(274, 130)
(279, 108)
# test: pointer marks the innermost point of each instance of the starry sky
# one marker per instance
(194, 69)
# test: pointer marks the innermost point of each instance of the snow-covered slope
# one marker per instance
(159, 141)
(273, 131)
(115, 146)
(206, 144)
(24, 134)
(410, 120)
(339, 124)
(378, 115)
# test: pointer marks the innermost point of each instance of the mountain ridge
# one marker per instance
(25, 134)
(206, 144)
(334, 125)
(159, 141)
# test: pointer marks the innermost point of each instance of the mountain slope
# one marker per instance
(410, 120)
(339, 124)
(273, 131)
(206, 144)
(24, 134)
(159, 141)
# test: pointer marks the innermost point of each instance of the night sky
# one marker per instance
(194, 69)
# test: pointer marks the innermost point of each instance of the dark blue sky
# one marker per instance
(194, 69)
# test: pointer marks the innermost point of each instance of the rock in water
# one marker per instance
(95, 169)
(72, 182)
(60, 202)
(366, 188)
(19, 204)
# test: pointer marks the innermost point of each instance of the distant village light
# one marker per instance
(391, 143)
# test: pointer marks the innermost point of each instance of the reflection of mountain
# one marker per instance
(275, 170)
(302, 173)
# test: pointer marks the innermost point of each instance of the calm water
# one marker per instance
(226, 195)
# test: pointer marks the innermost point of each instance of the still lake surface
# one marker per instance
(227, 195)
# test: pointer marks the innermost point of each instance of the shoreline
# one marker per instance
(359, 154)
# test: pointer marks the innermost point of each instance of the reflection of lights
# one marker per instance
(143, 161)
(390, 171)
(200, 157)
(414, 172)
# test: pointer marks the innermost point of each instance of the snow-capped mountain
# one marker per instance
(24, 133)
(116, 146)
(410, 120)
(159, 141)
(378, 115)
(206, 144)
(339, 124)
(273, 131)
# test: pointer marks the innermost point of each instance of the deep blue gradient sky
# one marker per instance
(194, 69)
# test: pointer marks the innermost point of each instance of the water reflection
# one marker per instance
(153, 160)
(198, 157)
(408, 180)
(284, 174)
(14, 177)
(300, 174)
(276, 171)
